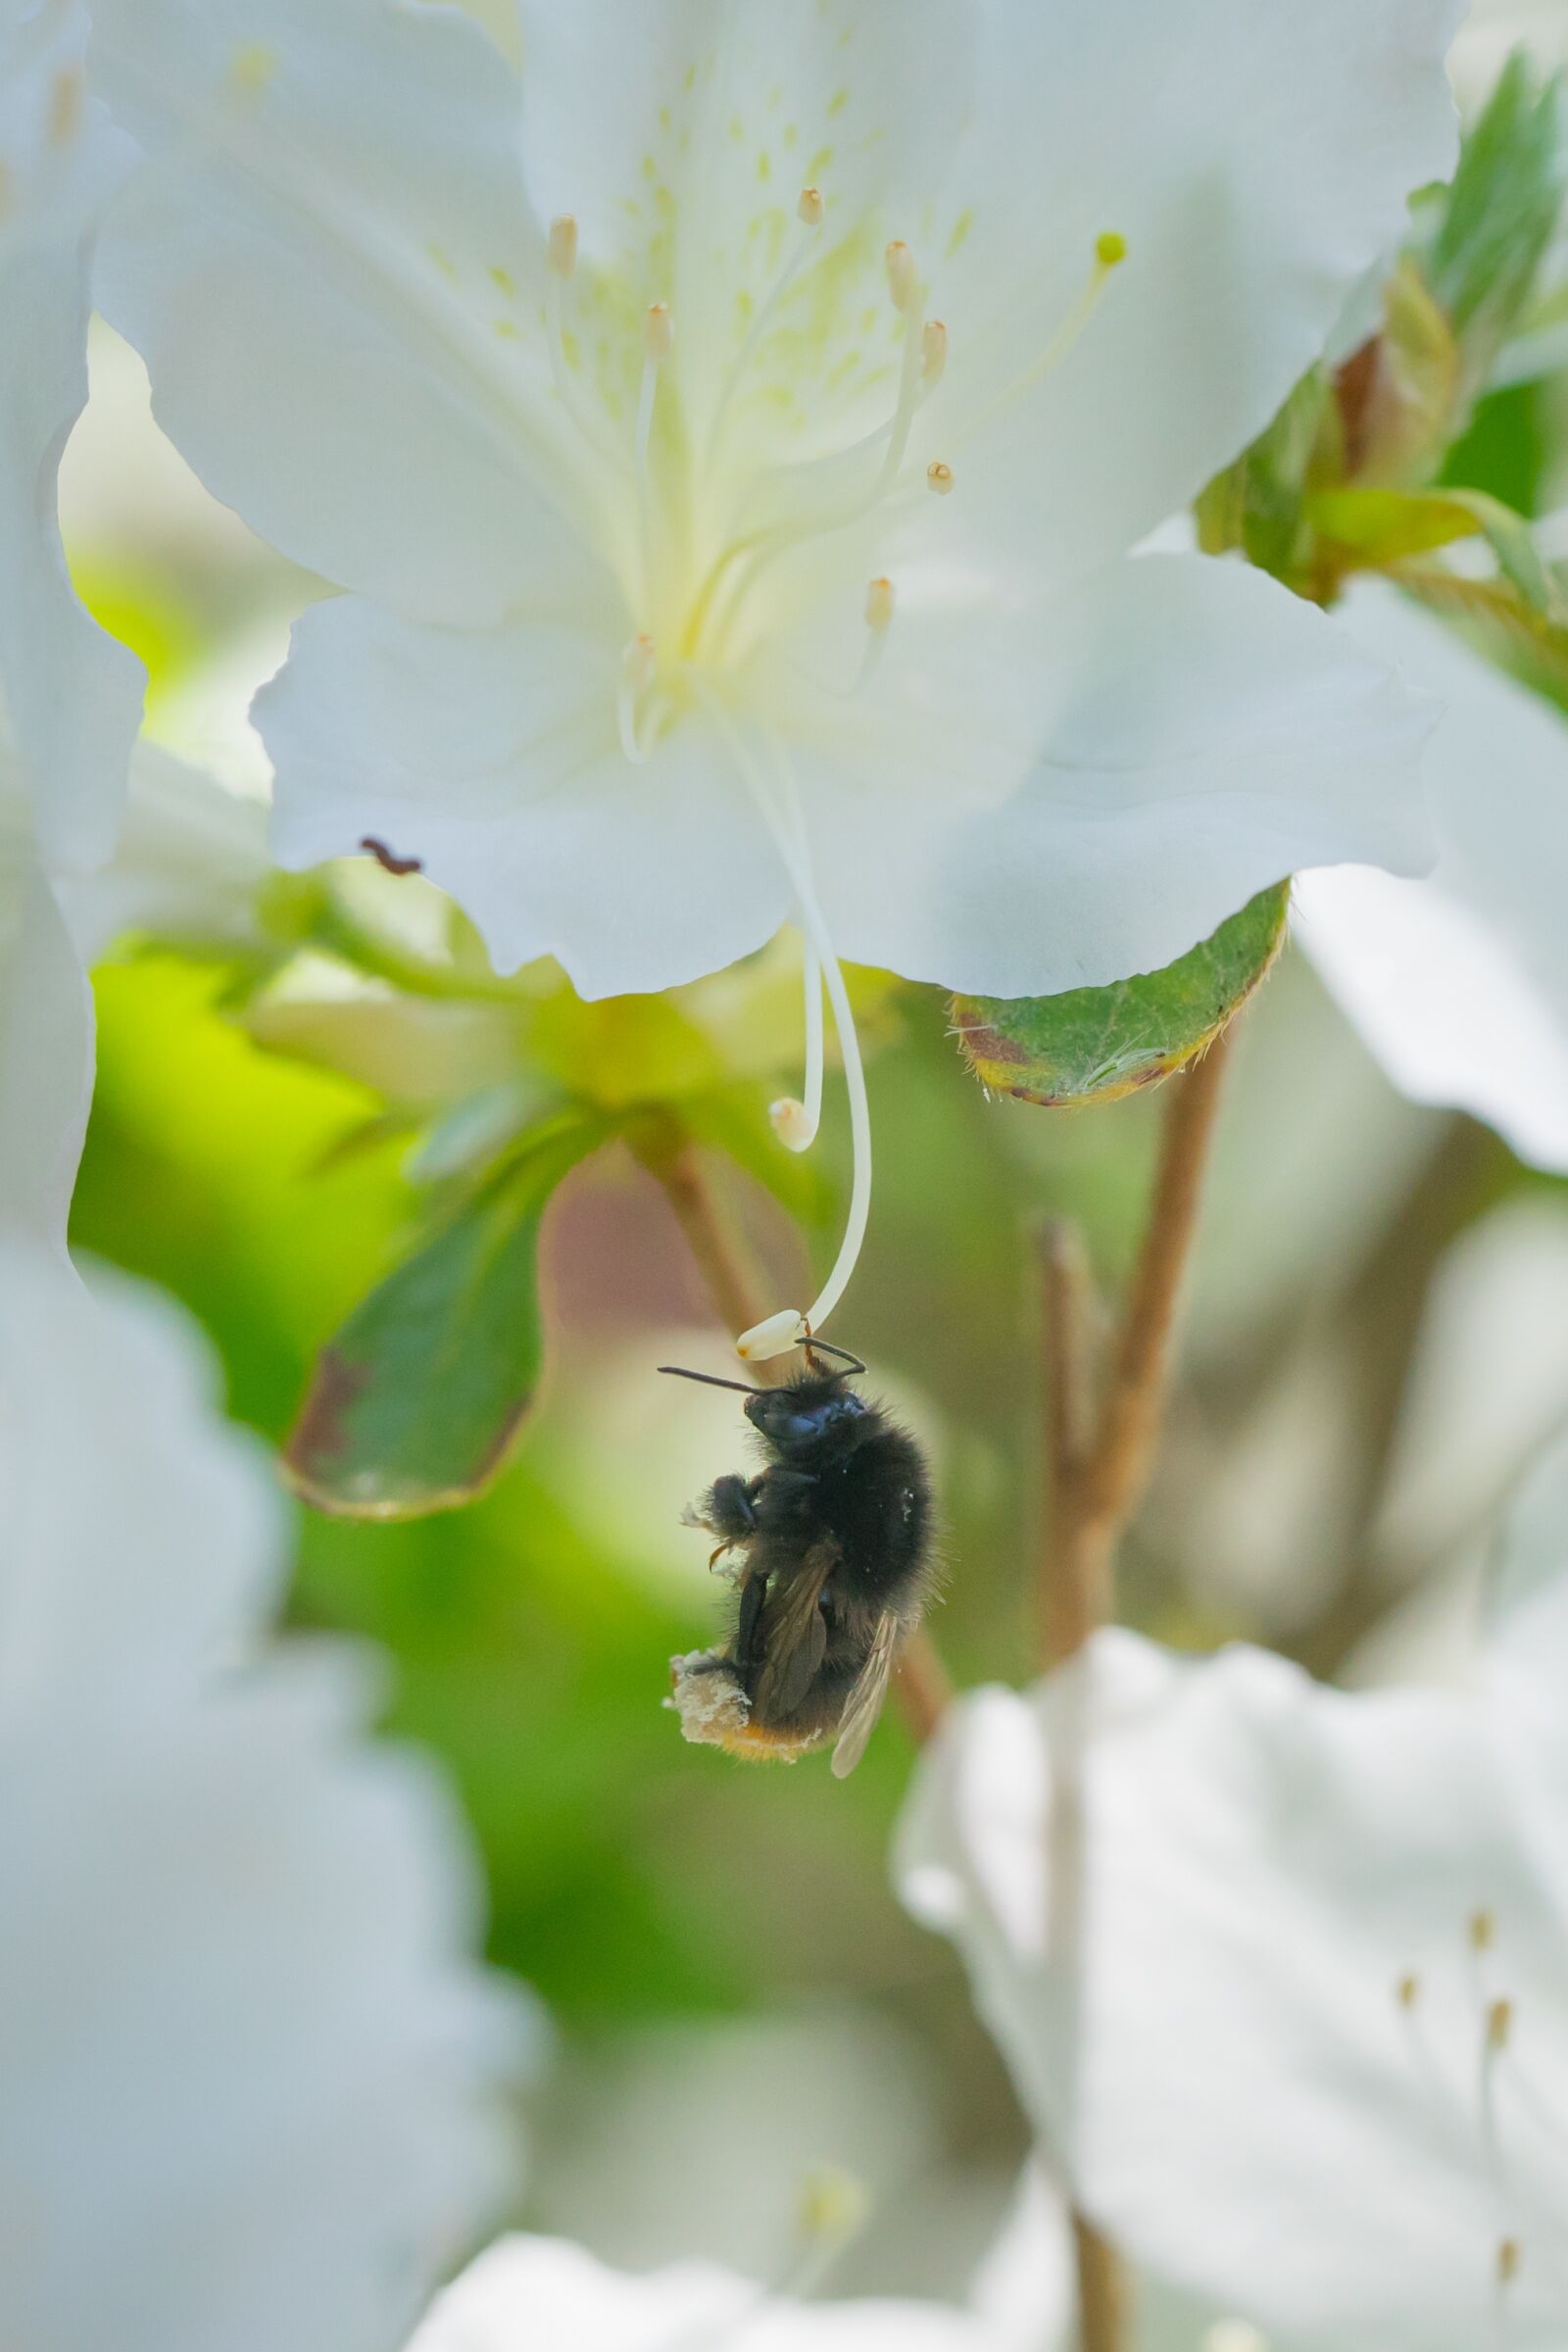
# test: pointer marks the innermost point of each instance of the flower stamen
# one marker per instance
(796, 1122)
(777, 801)
(1110, 250)
(809, 212)
(638, 667)
(561, 268)
(881, 603)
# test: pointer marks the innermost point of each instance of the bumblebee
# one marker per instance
(830, 1550)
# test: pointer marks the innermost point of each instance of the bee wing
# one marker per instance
(865, 1702)
(794, 1635)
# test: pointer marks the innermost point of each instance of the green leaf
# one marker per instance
(1496, 608)
(1370, 530)
(1499, 214)
(1256, 504)
(414, 1403)
(1399, 397)
(1095, 1045)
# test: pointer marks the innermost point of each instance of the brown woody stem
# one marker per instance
(1100, 1468)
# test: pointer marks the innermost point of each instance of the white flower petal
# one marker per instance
(46, 1054)
(1055, 797)
(1254, 2113)
(325, 263)
(1256, 156)
(493, 757)
(249, 2068)
(543, 2294)
(1459, 983)
(190, 864)
(683, 137)
(72, 695)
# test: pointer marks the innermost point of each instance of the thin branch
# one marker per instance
(1074, 1594)
(734, 1279)
(722, 1255)
(1122, 1455)
(1099, 1467)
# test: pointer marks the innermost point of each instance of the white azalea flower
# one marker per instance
(249, 2066)
(69, 697)
(1459, 983)
(1318, 2067)
(608, 394)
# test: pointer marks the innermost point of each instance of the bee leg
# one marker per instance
(726, 1512)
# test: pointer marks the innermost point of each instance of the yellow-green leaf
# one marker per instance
(1095, 1045)
(415, 1402)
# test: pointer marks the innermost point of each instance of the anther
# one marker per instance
(1409, 1991)
(563, 245)
(904, 279)
(833, 2205)
(939, 478)
(1500, 2024)
(792, 1123)
(659, 332)
(65, 103)
(811, 207)
(880, 602)
(1482, 1930)
(781, 1332)
(639, 664)
(1110, 249)
(1510, 2254)
(933, 353)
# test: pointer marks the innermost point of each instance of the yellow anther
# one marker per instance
(811, 208)
(1409, 1991)
(659, 332)
(1110, 249)
(1482, 1930)
(904, 279)
(833, 2205)
(1499, 2024)
(939, 478)
(640, 665)
(252, 68)
(785, 1330)
(1510, 2254)
(562, 253)
(880, 599)
(66, 97)
(933, 352)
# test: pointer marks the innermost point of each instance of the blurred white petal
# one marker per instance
(252, 2075)
(1254, 2112)
(544, 2294)
(1459, 983)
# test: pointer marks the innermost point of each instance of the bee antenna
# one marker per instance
(710, 1380)
(852, 1363)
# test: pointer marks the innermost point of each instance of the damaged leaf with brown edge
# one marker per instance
(414, 1403)
(1095, 1045)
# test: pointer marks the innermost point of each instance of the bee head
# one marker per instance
(808, 1409)
(800, 1416)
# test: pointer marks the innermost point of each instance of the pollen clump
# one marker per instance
(66, 100)
(939, 478)
(253, 68)
(1110, 249)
